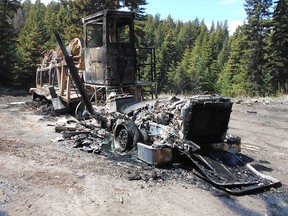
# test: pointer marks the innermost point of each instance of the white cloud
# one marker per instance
(46, 2)
(226, 2)
(233, 24)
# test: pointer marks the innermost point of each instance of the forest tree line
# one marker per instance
(191, 57)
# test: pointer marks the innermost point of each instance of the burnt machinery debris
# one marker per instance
(105, 85)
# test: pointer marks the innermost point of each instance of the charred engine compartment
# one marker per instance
(197, 122)
(199, 119)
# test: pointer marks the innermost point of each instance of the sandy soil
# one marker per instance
(40, 176)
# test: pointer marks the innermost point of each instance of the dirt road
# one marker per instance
(40, 176)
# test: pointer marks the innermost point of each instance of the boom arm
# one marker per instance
(74, 73)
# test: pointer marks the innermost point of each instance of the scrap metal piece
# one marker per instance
(229, 172)
(66, 124)
(58, 105)
(158, 156)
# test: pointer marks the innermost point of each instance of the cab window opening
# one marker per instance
(119, 32)
(94, 35)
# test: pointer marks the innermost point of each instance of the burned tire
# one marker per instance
(125, 136)
(123, 139)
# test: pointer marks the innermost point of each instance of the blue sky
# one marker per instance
(209, 10)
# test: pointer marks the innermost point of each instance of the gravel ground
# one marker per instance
(40, 176)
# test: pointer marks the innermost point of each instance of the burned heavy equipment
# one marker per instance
(106, 63)
(102, 81)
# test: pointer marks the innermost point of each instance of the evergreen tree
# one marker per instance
(217, 40)
(256, 32)
(187, 35)
(21, 16)
(198, 60)
(8, 9)
(167, 56)
(189, 57)
(278, 50)
(52, 21)
(77, 9)
(234, 79)
(181, 80)
(138, 8)
(32, 38)
(221, 39)
(225, 50)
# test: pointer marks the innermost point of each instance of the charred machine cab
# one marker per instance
(110, 57)
(106, 61)
(109, 48)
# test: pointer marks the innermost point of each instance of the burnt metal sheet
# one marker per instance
(230, 172)
(206, 121)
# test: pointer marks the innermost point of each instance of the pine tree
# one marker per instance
(198, 60)
(32, 38)
(8, 9)
(234, 79)
(231, 68)
(207, 63)
(167, 55)
(52, 22)
(256, 32)
(21, 16)
(225, 50)
(77, 9)
(278, 50)
(219, 55)
(182, 79)
(139, 10)
(186, 36)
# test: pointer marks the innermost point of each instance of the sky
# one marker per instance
(208, 10)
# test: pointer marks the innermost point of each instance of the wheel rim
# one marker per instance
(122, 137)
